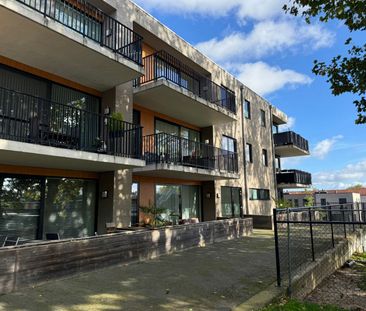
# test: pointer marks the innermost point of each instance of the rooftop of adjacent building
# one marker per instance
(361, 191)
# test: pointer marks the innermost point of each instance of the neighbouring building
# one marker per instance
(104, 109)
(327, 197)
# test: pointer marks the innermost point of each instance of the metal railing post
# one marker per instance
(311, 234)
(353, 218)
(331, 224)
(344, 222)
(278, 264)
(289, 290)
(45, 8)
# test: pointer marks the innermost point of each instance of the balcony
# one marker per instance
(290, 144)
(173, 88)
(293, 179)
(39, 133)
(175, 157)
(71, 39)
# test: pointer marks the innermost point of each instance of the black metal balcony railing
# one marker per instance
(294, 177)
(161, 65)
(92, 23)
(166, 148)
(30, 119)
(291, 138)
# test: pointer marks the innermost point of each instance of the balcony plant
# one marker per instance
(115, 124)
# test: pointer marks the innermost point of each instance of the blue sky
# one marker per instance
(273, 53)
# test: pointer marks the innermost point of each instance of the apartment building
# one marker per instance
(103, 109)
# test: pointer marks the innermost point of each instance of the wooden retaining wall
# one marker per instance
(32, 264)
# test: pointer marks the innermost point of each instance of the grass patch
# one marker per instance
(294, 305)
(359, 256)
(361, 266)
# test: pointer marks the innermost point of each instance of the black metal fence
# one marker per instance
(30, 119)
(166, 148)
(303, 235)
(161, 65)
(291, 138)
(92, 23)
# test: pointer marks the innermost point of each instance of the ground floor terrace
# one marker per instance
(216, 277)
(48, 204)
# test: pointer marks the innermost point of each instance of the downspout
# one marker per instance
(244, 153)
(274, 157)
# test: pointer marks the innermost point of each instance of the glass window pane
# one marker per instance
(70, 207)
(191, 202)
(236, 201)
(20, 207)
(135, 204)
(167, 197)
(226, 206)
(165, 127)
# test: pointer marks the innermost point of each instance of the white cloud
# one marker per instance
(265, 79)
(266, 38)
(324, 147)
(350, 175)
(218, 8)
(289, 125)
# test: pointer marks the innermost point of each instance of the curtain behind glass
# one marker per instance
(70, 207)
(22, 83)
(191, 202)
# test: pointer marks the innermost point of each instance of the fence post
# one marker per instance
(353, 217)
(278, 264)
(344, 222)
(289, 254)
(311, 234)
(331, 224)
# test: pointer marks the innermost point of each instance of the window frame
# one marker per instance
(248, 153)
(247, 110)
(265, 157)
(229, 138)
(263, 117)
(261, 194)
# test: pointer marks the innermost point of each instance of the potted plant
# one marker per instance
(153, 215)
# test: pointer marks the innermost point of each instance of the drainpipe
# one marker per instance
(244, 154)
(274, 155)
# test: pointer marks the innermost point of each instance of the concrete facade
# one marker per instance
(110, 76)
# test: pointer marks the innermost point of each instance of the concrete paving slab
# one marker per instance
(217, 277)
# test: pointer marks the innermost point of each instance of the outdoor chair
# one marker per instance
(11, 241)
(2, 240)
(52, 236)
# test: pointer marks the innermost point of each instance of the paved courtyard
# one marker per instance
(216, 277)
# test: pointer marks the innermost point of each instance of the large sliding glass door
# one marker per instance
(69, 207)
(231, 202)
(180, 201)
(20, 206)
(31, 207)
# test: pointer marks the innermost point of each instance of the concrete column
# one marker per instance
(105, 205)
(117, 208)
